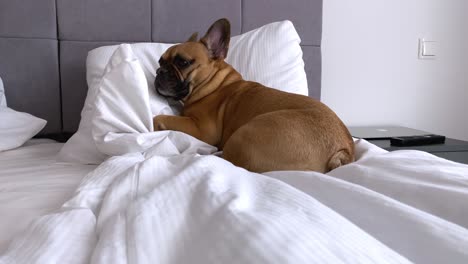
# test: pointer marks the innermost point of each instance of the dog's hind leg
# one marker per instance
(277, 141)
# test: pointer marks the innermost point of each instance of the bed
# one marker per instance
(96, 185)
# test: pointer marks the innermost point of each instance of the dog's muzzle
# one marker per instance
(168, 84)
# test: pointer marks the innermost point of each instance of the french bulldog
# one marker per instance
(258, 128)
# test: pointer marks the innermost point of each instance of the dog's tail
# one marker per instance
(340, 158)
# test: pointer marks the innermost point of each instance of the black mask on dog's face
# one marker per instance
(169, 81)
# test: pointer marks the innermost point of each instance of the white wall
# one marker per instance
(371, 71)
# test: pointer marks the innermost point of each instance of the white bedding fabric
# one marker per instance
(162, 199)
(17, 127)
(163, 207)
(33, 184)
(2, 94)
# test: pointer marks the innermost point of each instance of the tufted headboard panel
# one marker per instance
(44, 43)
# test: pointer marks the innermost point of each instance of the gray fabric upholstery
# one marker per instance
(73, 78)
(312, 57)
(191, 16)
(28, 19)
(29, 69)
(104, 20)
(44, 43)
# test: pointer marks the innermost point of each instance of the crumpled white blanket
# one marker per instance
(162, 198)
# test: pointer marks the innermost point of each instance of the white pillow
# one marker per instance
(270, 55)
(2, 94)
(16, 128)
(123, 119)
(122, 105)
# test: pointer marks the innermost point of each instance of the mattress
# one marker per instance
(32, 183)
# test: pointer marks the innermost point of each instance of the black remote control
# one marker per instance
(417, 140)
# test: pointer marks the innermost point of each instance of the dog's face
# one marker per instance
(184, 67)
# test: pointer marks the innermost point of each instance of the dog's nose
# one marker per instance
(161, 71)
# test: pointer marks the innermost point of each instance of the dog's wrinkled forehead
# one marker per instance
(188, 50)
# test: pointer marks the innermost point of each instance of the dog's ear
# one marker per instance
(217, 38)
(193, 38)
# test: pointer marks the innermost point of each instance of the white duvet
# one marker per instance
(164, 198)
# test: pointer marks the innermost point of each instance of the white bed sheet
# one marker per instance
(33, 184)
(167, 206)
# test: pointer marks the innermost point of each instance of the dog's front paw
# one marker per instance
(158, 123)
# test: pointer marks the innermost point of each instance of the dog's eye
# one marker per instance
(181, 62)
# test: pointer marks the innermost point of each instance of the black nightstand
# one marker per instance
(452, 149)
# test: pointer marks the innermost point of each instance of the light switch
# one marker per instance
(427, 49)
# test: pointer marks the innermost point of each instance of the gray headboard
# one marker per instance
(44, 43)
